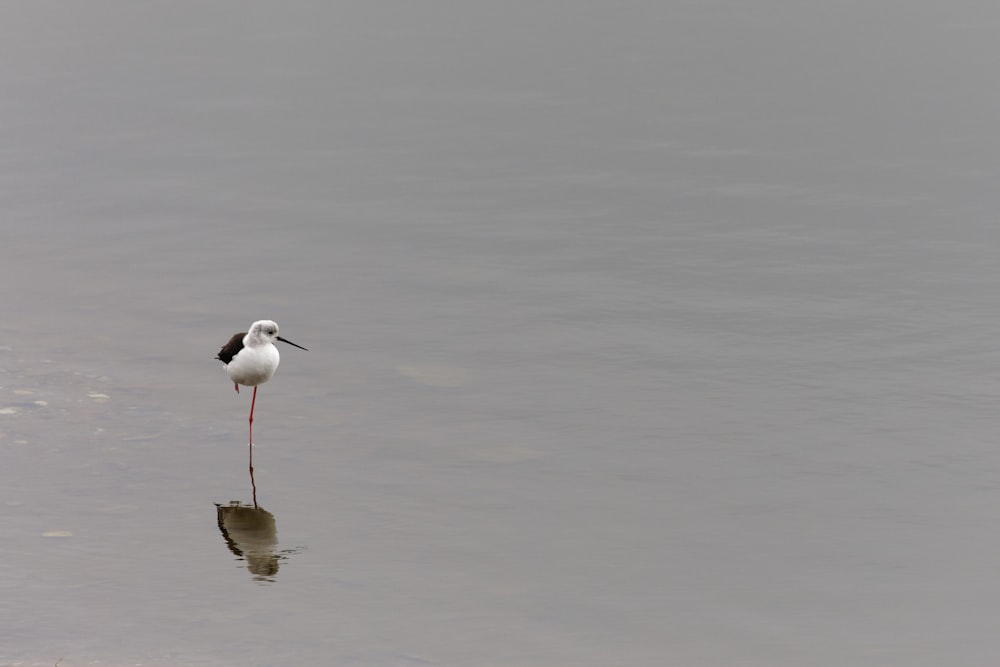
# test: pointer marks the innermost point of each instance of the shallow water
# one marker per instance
(637, 336)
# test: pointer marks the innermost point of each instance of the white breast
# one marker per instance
(254, 365)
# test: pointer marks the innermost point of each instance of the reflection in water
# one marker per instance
(253, 484)
(252, 534)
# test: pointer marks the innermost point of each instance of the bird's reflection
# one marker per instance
(251, 533)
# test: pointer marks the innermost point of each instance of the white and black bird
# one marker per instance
(251, 359)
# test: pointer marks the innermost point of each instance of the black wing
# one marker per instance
(232, 348)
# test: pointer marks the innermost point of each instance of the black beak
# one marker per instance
(290, 343)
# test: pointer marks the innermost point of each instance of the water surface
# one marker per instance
(638, 335)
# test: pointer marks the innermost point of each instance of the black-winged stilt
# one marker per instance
(251, 359)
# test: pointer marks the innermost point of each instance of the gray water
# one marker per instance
(644, 334)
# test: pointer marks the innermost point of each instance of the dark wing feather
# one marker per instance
(232, 348)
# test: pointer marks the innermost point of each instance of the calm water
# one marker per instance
(638, 336)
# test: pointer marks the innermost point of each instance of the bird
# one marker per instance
(251, 358)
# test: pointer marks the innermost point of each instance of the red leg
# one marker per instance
(236, 387)
(252, 402)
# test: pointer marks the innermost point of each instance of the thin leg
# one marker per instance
(236, 387)
(252, 402)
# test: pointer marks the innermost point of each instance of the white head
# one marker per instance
(261, 332)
